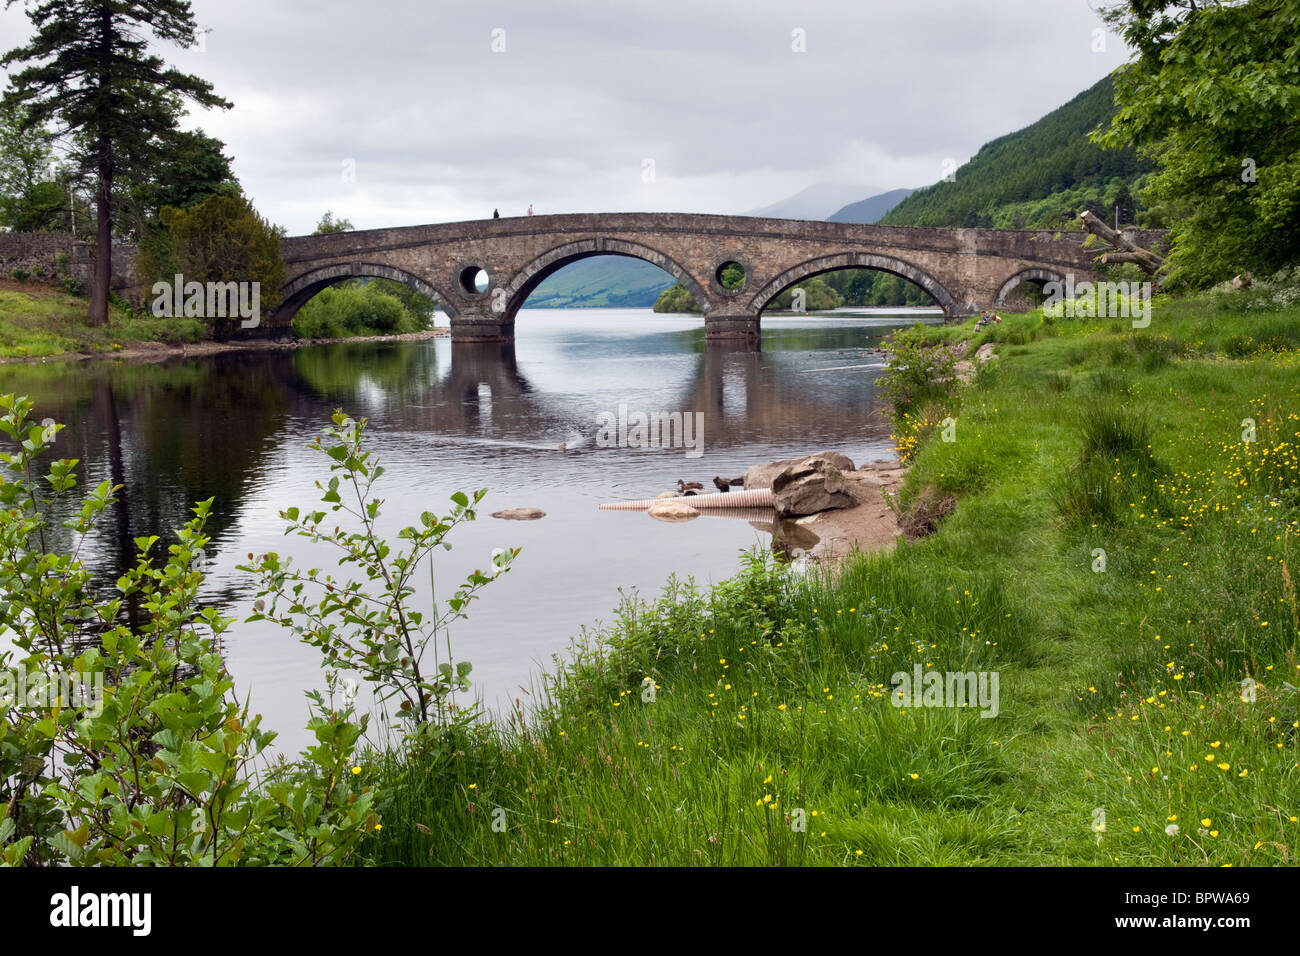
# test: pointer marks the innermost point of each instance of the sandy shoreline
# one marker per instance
(830, 535)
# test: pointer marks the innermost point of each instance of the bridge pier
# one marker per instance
(728, 328)
(482, 327)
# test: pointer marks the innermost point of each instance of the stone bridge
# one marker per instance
(964, 270)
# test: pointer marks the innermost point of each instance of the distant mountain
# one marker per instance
(601, 282)
(870, 210)
(611, 282)
(1042, 176)
(816, 202)
(1039, 177)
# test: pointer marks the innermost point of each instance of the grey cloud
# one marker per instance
(442, 128)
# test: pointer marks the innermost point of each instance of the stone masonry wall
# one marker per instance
(37, 253)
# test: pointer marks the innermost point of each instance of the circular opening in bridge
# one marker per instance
(474, 279)
(731, 275)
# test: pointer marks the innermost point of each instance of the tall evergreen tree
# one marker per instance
(88, 73)
(193, 167)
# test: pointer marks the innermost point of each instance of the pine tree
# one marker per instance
(88, 74)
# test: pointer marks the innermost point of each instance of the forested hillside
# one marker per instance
(1040, 177)
(601, 282)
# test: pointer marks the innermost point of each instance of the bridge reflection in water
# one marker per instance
(743, 392)
(185, 430)
(450, 416)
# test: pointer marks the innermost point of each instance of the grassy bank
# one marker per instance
(40, 321)
(1115, 552)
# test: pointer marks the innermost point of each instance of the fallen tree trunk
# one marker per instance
(1126, 250)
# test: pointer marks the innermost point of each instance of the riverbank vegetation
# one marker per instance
(364, 307)
(122, 738)
(1121, 551)
(1213, 100)
(39, 321)
(1117, 547)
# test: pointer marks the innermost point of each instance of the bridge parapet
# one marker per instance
(964, 270)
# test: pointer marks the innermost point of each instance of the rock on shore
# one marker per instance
(827, 507)
(764, 476)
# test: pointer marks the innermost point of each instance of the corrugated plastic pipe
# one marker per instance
(749, 498)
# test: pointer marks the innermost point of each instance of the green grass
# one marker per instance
(38, 321)
(1118, 555)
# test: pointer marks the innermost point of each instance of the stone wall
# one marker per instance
(37, 253)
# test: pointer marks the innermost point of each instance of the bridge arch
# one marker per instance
(298, 290)
(853, 260)
(553, 260)
(1023, 276)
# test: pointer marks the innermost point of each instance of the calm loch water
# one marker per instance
(235, 427)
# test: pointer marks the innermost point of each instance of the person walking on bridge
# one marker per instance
(496, 213)
(530, 209)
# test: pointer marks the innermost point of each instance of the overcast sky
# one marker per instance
(580, 97)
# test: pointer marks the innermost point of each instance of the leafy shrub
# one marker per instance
(677, 299)
(151, 761)
(376, 634)
(915, 372)
(19, 275)
(222, 239)
(356, 309)
(912, 429)
(134, 749)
